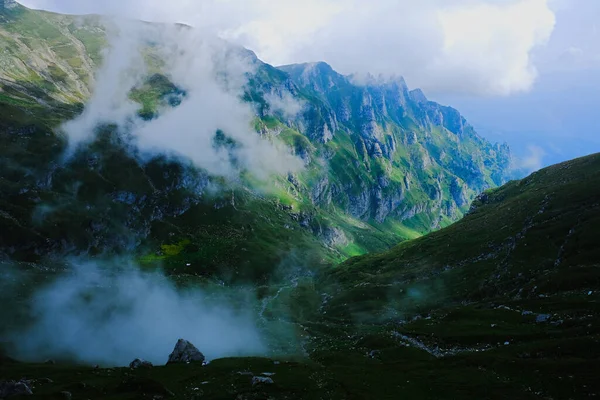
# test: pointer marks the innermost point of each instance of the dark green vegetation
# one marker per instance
(502, 304)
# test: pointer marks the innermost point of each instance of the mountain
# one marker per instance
(382, 164)
(110, 252)
(502, 304)
(423, 158)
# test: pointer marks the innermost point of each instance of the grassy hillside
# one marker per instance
(502, 304)
(48, 55)
(533, 238)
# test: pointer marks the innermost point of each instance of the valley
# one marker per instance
(314, 236)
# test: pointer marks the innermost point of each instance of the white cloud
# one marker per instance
(472, 46)
(284, 104)
(495, 41)
(532, 161)
(123, 69)
(213, 73)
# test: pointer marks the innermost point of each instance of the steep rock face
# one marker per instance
(392, 133)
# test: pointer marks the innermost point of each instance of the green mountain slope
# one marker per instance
(382, 164)
(509, 293)
(49, 55)
(502, 304)
(533, 238)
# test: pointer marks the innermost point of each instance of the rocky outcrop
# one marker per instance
(418, 96)
(386, 202)
(333, 237)
(459, 192)
(10, 389)
(262, 380)
(138, 363)
(320, 193)
(479, 201)
(185, 352)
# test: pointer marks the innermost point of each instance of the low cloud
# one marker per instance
(213, 74)
(285, 105)
(123, 68)
(111, 313)
(532, 161)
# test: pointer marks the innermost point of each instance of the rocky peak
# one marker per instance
(185, 352)
(319, 76)
(418, 96)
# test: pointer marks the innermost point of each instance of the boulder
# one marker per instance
(185, 352)
(542, 318)
(14, 388)
(138, 363)
(262, 380)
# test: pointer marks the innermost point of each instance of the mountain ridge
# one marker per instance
(379, 167)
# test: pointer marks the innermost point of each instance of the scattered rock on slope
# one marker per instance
(185, 352)
(14, 388)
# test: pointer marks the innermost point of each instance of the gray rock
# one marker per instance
(185, 352)
(479, 201)
(373, 353)
(458, 190)
(319, 193)
(542, 318)
(376, 150)
(418, 96)
(14, 388)
(262, 380)
(333, 237)
(137, 363)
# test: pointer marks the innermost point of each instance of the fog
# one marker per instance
(109, 313)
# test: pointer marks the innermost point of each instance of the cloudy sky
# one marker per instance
(522, 71)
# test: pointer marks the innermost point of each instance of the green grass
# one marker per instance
(152, 95)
